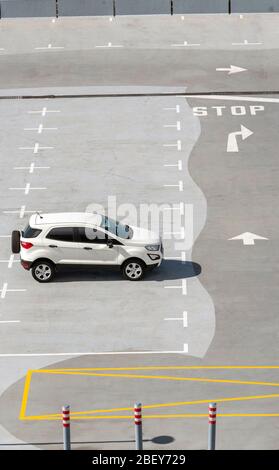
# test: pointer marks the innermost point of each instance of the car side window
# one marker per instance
(91, 235)
(64, 234)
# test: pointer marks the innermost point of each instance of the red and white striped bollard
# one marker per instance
(212, 408)
(66, 427)
(138, 426)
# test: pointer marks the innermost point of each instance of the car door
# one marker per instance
(61, 246)
(94, 246)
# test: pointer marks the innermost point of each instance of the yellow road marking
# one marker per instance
(81, 414)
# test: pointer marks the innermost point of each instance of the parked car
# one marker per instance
(50, 240)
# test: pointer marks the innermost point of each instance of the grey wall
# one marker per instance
(85, 7)
(25, 8)
(255, 6)
(200, 6)
(142, 7)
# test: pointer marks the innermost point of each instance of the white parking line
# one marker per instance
(177, 145)
(177, 109)
(185, 44)
(183, 287)
(40, 129)
(184, 319)
(103, 353)
(177, 125)
(49, 47)
(5, 289)
(246, 43)
(22, 211)
(10, 261)
(5, 236)
(109, 45)
(10, 321)
(31, 168)
(26, 189)
(173, 208)
(36, 148)
(178, 164)
(181, 233)
(179, 185)
(44, 111)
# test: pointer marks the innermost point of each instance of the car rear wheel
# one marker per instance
(133, 270)
(15, 241)
(43, 271)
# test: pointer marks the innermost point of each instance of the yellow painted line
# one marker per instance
(166, 377)
(159, 416)
(25, 394)
(160, 405)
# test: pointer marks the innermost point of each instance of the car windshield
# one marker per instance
(116, 228)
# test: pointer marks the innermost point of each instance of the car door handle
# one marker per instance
(52, 246)
(87, 248)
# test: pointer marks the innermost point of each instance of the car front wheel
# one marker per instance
(43, 271)
(133, 270)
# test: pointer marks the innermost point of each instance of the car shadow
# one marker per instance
(169, 270)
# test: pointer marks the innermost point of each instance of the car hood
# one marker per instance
(143, 235)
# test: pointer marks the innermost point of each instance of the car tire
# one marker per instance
(133, 269)
(43, 271)
(15, 241)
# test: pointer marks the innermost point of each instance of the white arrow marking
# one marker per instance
(248, 238)
(231, 69)
(232, 145)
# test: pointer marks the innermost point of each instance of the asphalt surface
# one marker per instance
(120, 146)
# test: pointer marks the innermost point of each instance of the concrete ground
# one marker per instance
(222, 293)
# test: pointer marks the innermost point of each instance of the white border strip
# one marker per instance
(93, 353)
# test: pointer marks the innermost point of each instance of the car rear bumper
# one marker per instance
(26, 264)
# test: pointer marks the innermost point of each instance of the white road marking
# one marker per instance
(177, 109)
(31, 168)
(110, 45)
(26, 189)
(5, 289)
(232, 69)
(181, 233)
(173, 208)
(233, 98)
(103, 353)
(248, 238)
(40, 129)
(110, 19)
(49, 47)
(5, 236)
(21, 212)
(241, 17)
(178, 165)
(10, 321)
(179, 185)
(177, 145)
(53, 20)
(246, 43)
(183, 287)
(10, 261)
(44, 111)
(184, 318)
(177, 125)
(185, 44)
(36, 148)
(232, 145)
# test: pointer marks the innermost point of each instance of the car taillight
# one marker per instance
(26, 245)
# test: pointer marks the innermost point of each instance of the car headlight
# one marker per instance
(152, 247)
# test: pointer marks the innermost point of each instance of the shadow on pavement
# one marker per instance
(169, 270)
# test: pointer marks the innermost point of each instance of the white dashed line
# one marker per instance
(177, 145)
(184, 319)
(31, 168)
(36, 148)
(21, 212)
(174, 208)
(26, 189)
(181, 233)
(40, 129)
(183, 287)
(246, 43)
(44, 111)
(177, 125)
(179, 185)
(10, 321)
(10, 261)
(109, 45)
(185, 44)
(177, 109)
(5, 289)
(49, 47)
(177, 165)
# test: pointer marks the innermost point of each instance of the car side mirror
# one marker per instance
(110, 243)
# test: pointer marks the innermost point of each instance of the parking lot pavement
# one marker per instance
(196, 52)
(215, 154)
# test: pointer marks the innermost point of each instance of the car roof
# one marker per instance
(66, 218)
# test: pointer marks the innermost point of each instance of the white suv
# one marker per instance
(85, 239)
